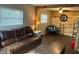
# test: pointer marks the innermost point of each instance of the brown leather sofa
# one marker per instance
(19, 40)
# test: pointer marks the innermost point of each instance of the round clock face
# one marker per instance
(63, 18)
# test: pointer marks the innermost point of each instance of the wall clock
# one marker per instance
(63, 18)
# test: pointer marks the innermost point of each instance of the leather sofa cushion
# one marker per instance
(19, 34)
(18, 46)
(21, 46)
(28, 31)
(20, 38)
(8, 42)
(0, 43)
(7, 37)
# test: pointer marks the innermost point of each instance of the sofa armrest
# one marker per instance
(3, 50)
(0, 43)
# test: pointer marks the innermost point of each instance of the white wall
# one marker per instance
(29, 15)
(28, 12)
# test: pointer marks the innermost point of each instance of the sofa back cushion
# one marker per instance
(28, 31)
(7, 37)
(0, 43)
(19, 34)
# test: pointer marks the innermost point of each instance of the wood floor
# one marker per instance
(47, 41)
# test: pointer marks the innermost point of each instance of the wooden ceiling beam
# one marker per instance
(58, 5)
(66, 11)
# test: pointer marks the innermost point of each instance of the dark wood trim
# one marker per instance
(59, 5)
(66, 11)
(35, 17)
(71, 11)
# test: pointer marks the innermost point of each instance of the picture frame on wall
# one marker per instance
(63, 18)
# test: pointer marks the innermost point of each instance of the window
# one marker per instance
(44, 18)
(9, 16)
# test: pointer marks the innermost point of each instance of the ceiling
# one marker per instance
(40, 4)
(64, 8)
(55, 7)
